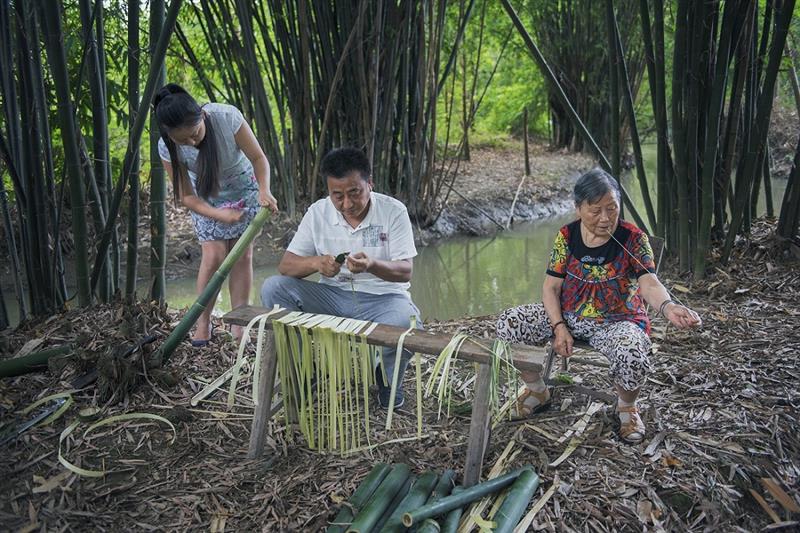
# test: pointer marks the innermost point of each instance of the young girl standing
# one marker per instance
(220, 173)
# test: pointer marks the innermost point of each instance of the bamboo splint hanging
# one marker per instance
(337, 367)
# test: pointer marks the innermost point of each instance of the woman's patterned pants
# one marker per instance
(625, 344)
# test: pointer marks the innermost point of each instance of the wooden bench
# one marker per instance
(524, 357)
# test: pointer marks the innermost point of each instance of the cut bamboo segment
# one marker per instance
(31, 362)
(461, 499)
(359, 498)
(380, 500)
(516, 501)
(398, 499)
(416, 497)
(450, 524)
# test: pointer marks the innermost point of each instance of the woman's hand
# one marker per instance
(229, 216)
(562, 341)
(681, 316)
(265, 199)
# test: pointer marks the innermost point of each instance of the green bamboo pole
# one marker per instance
(632, 123)
(450, 524)
(398, 499)
(790, 206)
(443, 488)
(461, 499)
(132, 258)
(417, 496)
(377, 504)
(613, 93)
(516, 501)
(712, 137)
(214, 285)
(31, 362)
(158, 183)
(96, 168)
(135, 136)
(56, 55)
(679, 129)
(359, 498)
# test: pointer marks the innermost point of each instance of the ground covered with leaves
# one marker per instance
(722, 410)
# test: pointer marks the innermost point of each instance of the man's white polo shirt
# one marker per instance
(385, 233)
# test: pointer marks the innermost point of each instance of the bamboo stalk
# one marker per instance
(56, 55)
(516, 501)
(443, 488)
(132, 259)
(215, 283)
(380, 500)
(361, 495)
(158, 184)
(461, 499)
(450, 523)
(31, 362)
(398, 499)
(417, 496)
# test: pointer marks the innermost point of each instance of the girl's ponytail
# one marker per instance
(175, 108)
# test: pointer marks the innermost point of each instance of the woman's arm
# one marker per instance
(198, 205)
(551, 299)
(657, 296)
(247, 142)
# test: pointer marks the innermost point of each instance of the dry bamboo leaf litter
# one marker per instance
(721, 410)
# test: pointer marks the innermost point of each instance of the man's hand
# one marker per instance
(681, 316)
(327, 266)
(229, 216)
(562, 342)
(358, 262)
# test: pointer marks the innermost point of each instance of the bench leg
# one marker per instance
(266, 385)
(478, 427)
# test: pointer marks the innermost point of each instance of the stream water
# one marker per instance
(460, 276)
(469, 276)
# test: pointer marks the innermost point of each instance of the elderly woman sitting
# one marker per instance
(599, 270)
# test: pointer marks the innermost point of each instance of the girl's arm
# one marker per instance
(198, 205)
(247, 142)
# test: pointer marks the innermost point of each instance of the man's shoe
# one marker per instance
(385, 391)
(384, 394)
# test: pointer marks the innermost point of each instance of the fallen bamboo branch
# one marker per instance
(516, 195)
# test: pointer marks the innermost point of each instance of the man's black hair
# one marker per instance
(340, 162)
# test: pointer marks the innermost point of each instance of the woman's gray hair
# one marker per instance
(594, 185)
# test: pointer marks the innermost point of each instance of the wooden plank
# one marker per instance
(266, 384)
(478, 427)
(764, 505)
(525, 357)
(780, 495)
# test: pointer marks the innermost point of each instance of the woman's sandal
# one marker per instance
(525, 411)
(632, 431)
(202, 343)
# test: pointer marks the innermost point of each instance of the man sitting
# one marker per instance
(370, 235)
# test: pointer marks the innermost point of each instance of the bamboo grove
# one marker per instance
(402, 79)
